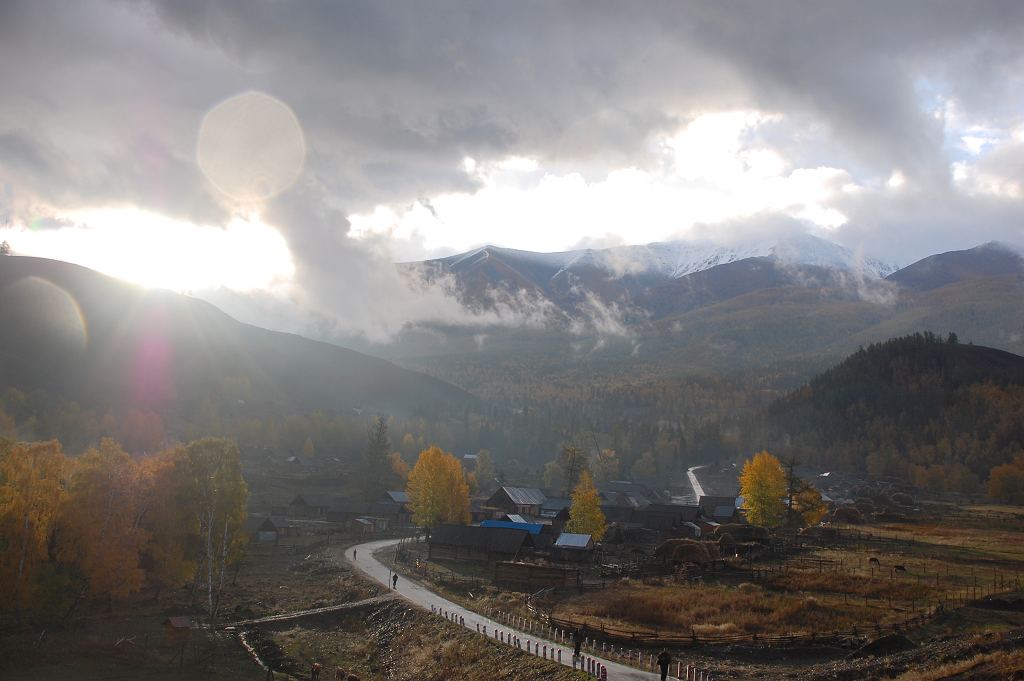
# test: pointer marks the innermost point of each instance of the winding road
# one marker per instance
(422, 597)
(698, 491)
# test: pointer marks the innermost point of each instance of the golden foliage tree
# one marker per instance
(100, 530)
(399, 468)
(809, 505)
(31, 492)
(169, 558)
(1006, 481)
(585, 514)
(438, 491)
(763, 487)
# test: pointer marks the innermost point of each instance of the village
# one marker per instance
(881, 570)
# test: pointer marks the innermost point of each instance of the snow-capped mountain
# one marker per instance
(675, 259)
(669, 259)
(654, 279)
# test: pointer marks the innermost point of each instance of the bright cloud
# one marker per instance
(154, 250)
(712, 173)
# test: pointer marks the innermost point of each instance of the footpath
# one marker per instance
(499, 632)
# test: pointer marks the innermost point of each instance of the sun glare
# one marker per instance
(154, 250)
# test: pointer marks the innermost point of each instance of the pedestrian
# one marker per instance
(354, 554)
(577, 640)
(314, 672)
(394, 581)
(664, 660)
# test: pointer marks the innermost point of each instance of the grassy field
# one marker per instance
(389, 641)
(827, 588)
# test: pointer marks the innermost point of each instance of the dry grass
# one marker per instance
(1000, 664)
(402, 644)
(898, 589)
(678, 608)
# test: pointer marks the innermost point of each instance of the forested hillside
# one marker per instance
(941, 413)
(76, 346)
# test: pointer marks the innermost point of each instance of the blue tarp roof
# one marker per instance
(532, 528)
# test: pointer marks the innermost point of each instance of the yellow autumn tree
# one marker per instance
(399, 468)
(169, 557)
(585, 514)
(809, 505)
(1006, 481)
(100, 530)
(763, 487)
(31, 494)
(437, 488)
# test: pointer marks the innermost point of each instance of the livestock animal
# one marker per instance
(874, 561)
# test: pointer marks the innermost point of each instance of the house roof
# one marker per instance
(555, 503)
(179, 622)
(532, 528)
(496, 539)
(663, 516)
(515, 518)
(399, 497)
(259, 524)
(316, 500)
(569, 540)
(708, 503)
(526, 496)
(351, 507)
(724, 511)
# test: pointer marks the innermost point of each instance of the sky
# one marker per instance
(276, 157)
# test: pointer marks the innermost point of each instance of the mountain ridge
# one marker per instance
(81, 335)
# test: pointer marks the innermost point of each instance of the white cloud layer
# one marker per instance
(896, 128)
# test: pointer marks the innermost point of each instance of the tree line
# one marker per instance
(104, 526)
(942, 415)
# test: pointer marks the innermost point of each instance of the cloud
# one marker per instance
(581, 119)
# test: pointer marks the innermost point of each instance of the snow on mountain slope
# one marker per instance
(674, 259)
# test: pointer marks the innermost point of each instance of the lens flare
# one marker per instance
(251, 147)
(47, 313)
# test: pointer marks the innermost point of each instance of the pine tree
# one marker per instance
(376, 468)
(585, 514)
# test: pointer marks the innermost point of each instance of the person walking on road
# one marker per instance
(664, 660)
(354, 554)
(394, 581)
(577, 641)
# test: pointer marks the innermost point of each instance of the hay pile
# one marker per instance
(685, 551)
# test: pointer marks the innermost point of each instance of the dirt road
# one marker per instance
(424, 598)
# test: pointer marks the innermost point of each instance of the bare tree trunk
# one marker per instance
(21, 570)
(223, 563)
(209, 564)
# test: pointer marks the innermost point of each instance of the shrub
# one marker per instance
(849, 515)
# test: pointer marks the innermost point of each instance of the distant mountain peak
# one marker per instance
(674, 259)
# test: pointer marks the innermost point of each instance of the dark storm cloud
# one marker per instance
(102, 101)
